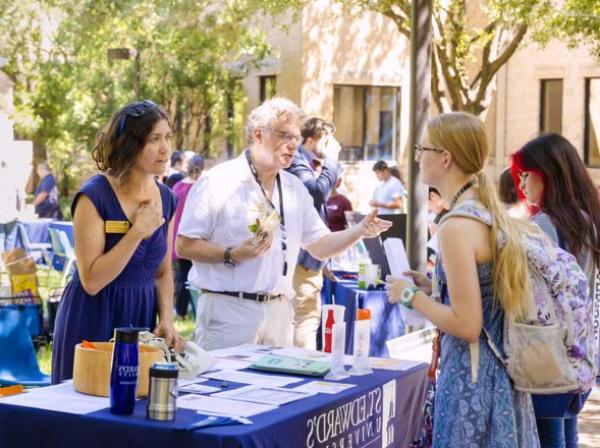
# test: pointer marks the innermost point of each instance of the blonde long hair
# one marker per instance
(463, 135)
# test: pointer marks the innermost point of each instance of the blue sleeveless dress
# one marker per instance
(130, 299)
(488, 413)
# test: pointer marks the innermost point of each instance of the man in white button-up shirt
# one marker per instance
(247, 281)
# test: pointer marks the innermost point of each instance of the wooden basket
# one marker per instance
(91, 369)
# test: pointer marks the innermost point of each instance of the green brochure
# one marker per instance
(288, 364)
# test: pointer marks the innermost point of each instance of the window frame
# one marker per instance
(542, 117)
(262, 86)
(397, 122)
(586, 122)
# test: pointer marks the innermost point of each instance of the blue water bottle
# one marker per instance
(124, 371)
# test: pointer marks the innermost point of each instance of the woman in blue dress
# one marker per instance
(476, 283)
(122, 229)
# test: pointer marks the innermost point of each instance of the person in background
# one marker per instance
(176, 171)
(123, 231)
(395, 171)
(187, 156)
(337, 206)
(516, 207)
(550, 174)
(315, 164)
(475, 403)
(46, 194)
(11, 194)
(243, 226)
(182, 267)
(437, 209)
(389, 196)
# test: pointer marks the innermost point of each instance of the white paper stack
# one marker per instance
(398, 261)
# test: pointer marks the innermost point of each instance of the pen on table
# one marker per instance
(242, 420)
(237, 418)
(201, 423)
(208, 421)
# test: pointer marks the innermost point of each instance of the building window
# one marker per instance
(367, 122)
(551, 105)
(268, 87)
(592, 122)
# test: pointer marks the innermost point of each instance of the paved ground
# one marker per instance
(589, 421)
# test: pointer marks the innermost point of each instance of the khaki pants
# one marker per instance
(307, 307)
(224, 321)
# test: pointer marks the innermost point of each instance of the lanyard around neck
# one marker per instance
(279, 188)
(281, 215)
(460, 192)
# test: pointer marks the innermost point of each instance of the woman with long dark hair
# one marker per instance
(551, 176)
(123, 233)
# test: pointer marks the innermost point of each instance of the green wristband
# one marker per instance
(407, 296)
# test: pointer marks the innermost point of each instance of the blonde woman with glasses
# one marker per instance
(475, 284)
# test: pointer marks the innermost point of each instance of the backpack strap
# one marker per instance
(474, 209)
(493, 347)
(474, 352)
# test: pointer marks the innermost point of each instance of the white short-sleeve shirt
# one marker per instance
(388, 191)
(220, 208)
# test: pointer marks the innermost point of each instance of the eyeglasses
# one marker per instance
(287, 137)
(136, 109)
(420, 148)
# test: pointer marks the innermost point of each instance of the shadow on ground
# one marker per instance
(589, 422)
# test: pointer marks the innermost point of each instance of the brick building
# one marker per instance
(354, 69)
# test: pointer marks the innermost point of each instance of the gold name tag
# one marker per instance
(116, 226)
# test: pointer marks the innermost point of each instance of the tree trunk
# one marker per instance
(64, 182)
(454, 87)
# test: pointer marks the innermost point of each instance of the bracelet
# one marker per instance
(407, 296)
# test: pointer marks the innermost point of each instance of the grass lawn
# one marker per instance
(50, 280)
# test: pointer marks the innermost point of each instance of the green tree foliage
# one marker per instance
(191, 55)
(578, 22)
(472, 40)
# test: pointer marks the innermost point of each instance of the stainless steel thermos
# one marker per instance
(162, 394)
